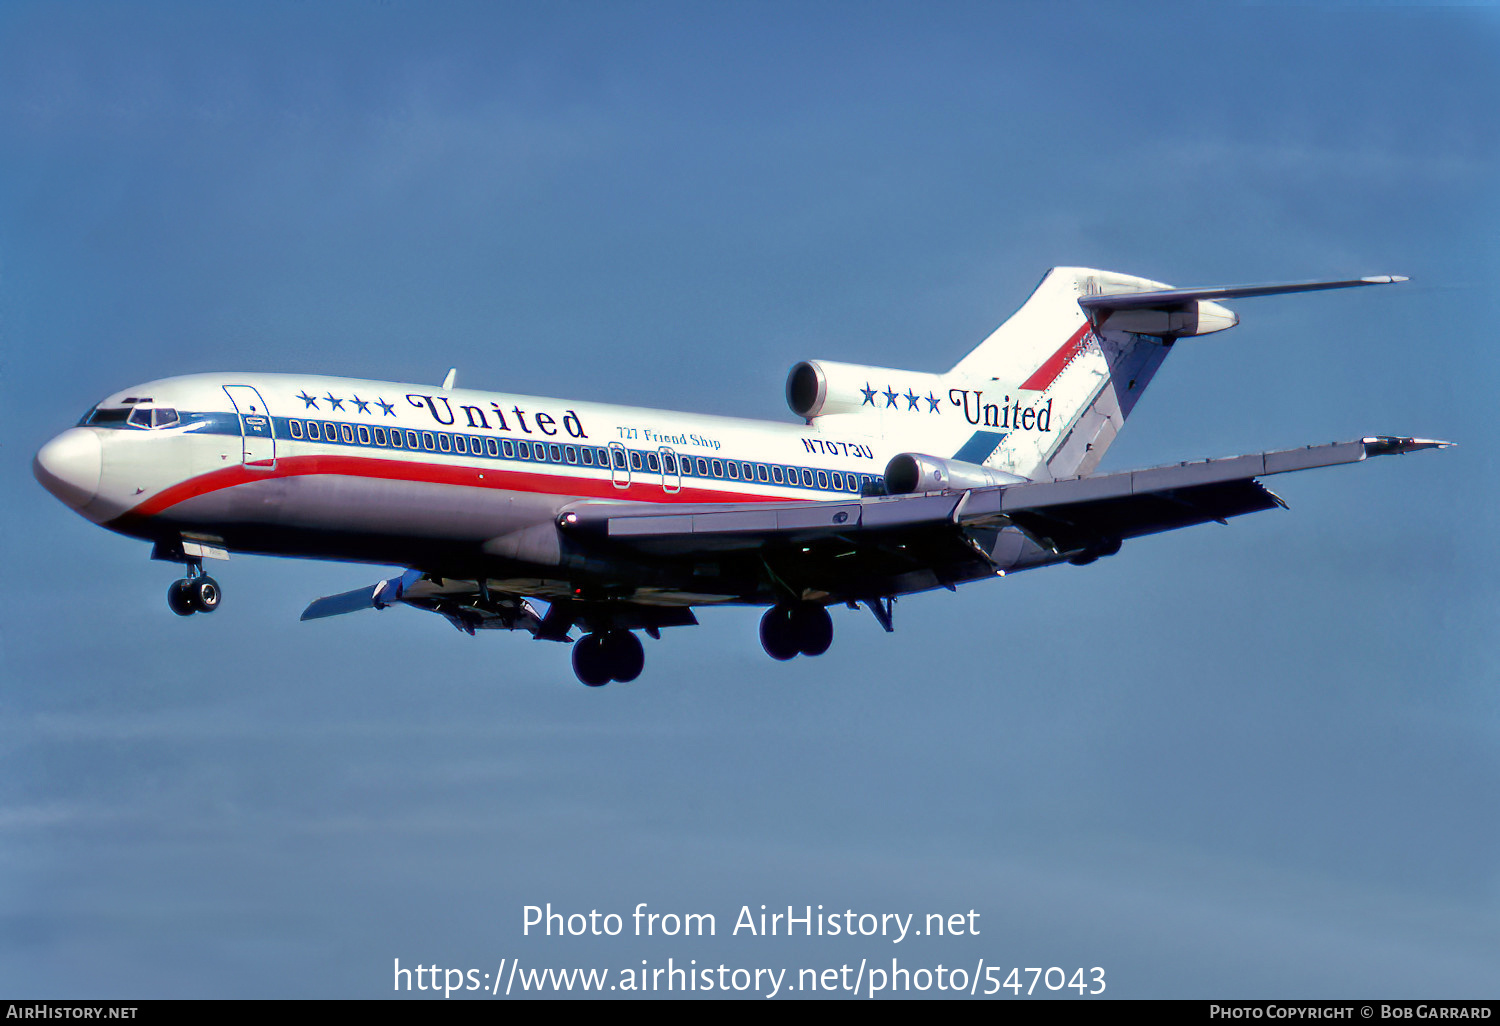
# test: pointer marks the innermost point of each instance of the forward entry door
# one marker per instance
(257, 437)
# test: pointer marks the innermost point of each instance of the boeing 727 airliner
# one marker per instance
(546, 515)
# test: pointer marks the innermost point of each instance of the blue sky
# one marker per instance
(1259, 760)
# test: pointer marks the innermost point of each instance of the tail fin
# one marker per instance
(1032, 399)
(1082, 381)
(1043, 396)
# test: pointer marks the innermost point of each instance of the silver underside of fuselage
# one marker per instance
(507, 538)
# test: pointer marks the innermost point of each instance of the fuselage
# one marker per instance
(625, 518)
(372, 471)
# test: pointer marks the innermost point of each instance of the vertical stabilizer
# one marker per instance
(1042, 397)
(1082, 382)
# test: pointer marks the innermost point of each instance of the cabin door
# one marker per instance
(257, 438)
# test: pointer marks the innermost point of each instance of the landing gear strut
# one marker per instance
(787, 631)
(601, 657)
(195, 593)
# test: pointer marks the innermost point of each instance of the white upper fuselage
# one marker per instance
(236, 430)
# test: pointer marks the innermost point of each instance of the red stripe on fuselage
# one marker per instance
(1048, 372)
(437, 473)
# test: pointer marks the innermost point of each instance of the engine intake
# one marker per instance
(917, 472)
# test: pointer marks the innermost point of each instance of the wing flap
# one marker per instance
(1075, 526)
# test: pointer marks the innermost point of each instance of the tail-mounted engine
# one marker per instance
(916, 472)
(820, 388)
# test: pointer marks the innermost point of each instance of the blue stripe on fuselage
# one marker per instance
(979, 447)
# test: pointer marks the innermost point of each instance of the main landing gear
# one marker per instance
(195, 593)
(804, 628)
(601, 657)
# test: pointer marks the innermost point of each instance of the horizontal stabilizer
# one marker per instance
(1161, 298)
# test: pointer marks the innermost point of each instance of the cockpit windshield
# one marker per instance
(159, 417)
(134, 416)
(98, 417)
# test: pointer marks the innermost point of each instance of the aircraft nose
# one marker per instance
(69, 466)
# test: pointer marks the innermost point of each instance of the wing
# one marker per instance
(872, 547)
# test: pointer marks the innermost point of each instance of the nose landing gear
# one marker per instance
(195, 593)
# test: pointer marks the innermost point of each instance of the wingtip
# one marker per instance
(1386, 445)
(1384, 279)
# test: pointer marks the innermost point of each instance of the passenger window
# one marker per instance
(556, 454)
(588, 456)
(760, 472)
(295, 427)
(652, 463)
(524, 448)
(411, 439)
(492, 447)
(346, 433)
(364, 435)
(668, 462)
(807, 481)
(427, 442)
(312, 430)
(838, 481)
(718, 468)
(635, 460)
(620, 459)
(734, 470)
(443, 443)
(571, 453)
(776, 475)
(509, 449)
(380, 436)
(702, 467)
(822, 479)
